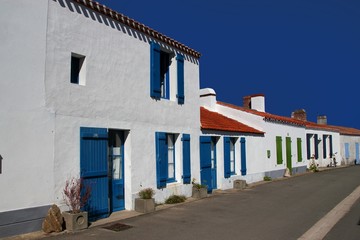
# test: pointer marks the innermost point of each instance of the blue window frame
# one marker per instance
(166, 158)
(171, 157)
(232, 155)
(229, 156)
(160, 79)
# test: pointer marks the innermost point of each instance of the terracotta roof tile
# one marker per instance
(215, 121)
(266, 116)
(102, 9)
(288, 120)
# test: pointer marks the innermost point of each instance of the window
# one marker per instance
(161, 83)
(229, 156)
(167, 157)
(279, 157)
(171, 157)
(232, 156)
(78, 70)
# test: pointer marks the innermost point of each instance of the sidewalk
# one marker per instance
(125, 214)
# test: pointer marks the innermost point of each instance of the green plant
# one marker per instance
(146, 193)
(267, 178)
(175, 199)
(313, 167)
(76, 194)
(197, 185)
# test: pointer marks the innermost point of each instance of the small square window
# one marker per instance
(78, 70)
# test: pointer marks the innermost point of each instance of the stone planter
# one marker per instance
(75, 221)
(239, 184)
(199, 192)
(144, 205)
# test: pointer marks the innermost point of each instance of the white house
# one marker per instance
(227, 147)
(283, 144)
(88, 92)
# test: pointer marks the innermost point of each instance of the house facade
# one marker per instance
(283, 145)
(97, 95)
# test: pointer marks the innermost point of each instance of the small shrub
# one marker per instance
(146, 193)
(76, 194)
(197, 185)
(175, 199)
(267, 178)
(313, 167)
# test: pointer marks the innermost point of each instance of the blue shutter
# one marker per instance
(308, 148)
(324, 145)
(155, 86)
(161, 159)
(227, 171)
(347, 150)
(243, 156)
(331, 146)
(180, 79)
(316, 146)
(186, 159)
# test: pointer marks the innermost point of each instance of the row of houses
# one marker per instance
(89, 92)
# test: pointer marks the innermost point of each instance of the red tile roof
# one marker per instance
(292, 121)
(102, 9)
(215, 121)
(266, 116)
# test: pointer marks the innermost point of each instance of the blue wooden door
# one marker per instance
(206, 171)
(116, 157)
(213, 164)
(94, 170)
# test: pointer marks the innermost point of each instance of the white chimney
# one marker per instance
(255, 102)
(208, 98)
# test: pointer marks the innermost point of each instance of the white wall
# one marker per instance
(116, 95)
(26, 126)
(351, 140)
(324, 161)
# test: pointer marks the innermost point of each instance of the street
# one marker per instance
(279, 210)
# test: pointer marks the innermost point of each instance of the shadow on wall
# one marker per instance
(110, 22)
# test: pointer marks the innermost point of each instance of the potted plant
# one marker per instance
(76, 196)
(145, 203)
(198, 190)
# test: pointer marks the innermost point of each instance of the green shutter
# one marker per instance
(279, 158)
(299, 150)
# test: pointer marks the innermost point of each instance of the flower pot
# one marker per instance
(75, 221)
(199, 192)
(144, 205)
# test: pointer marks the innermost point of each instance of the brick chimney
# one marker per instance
(247, 102)
(322, 119)
(299, 114)
(255, 102)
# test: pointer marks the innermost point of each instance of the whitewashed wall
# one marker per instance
(351, 140)
(324, 161)
(116, 95)
(26, 125)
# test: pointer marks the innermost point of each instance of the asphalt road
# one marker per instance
(278, 210)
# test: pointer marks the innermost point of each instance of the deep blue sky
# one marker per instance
(302, 54)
